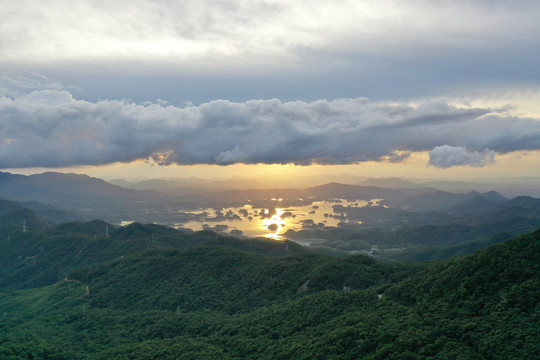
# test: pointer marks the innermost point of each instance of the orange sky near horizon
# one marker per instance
(515, 164)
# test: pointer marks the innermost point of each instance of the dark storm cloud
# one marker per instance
(52, 129)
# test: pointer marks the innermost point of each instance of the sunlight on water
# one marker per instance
(276, 225)
(270, 222)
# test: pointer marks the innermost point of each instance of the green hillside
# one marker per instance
(48, 212)
(45, 254)
(217, 302)
(222, 279)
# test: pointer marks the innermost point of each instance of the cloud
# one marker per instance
(446, 156)
(32, 81)
(231, 156)
(203, 50)
(41, 32)
(51, 128)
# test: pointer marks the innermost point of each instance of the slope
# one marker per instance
(45, 254)
(216, 302)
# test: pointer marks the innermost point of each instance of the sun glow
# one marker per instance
(276, 224)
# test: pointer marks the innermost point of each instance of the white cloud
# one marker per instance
(446, 156)
(52, 129)
(31, 81)
(235, 155)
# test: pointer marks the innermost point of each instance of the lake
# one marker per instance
(271, 222)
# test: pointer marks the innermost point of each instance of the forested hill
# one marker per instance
(217, 302)
(45, 254)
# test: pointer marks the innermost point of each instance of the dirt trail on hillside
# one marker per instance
(80, 282)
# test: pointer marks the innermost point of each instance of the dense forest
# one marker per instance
(89, 290)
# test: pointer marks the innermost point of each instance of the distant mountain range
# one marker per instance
(87, 198)
(54, 187)
(508, 187)
(425, 212)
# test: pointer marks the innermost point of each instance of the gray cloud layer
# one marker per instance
(52, 129)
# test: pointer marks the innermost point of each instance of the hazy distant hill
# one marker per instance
(477, 203)
(176, 186)
(416, 199)
(25, 216)
(433, 225)
(509, 187)
(49, 187)
(321, 192)
(391, 183)
(91, 197)
(49, 212)
(409, 224)
(525, 202)
(449, 202)
(59, 188)
(7, 206)
(336, 190)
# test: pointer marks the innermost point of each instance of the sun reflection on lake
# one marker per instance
(276, 225)
(269, 221)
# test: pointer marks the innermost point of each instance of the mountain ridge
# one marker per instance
(207, 302)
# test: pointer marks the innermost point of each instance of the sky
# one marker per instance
(411, 88)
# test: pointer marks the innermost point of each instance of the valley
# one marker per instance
(184, 296)
(402, 221)
(337, 277)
